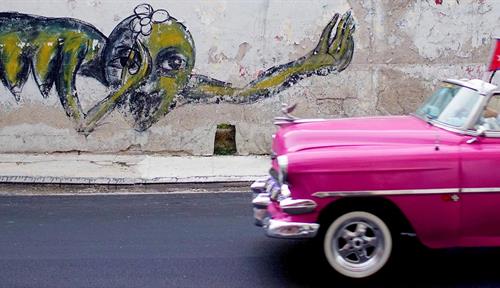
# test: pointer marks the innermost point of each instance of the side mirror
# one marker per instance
(481, 131)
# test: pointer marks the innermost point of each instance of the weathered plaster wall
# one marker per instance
(402, 49)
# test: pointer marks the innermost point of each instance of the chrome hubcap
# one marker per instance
(358, 243)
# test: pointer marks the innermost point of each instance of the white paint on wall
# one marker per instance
(397, 43)
(453, 28)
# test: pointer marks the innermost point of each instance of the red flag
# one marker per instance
(495, 58)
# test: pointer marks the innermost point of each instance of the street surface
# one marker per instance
(189, 240)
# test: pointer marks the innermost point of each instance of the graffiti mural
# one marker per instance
(147, 61)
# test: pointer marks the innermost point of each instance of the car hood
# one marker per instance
(366, 131)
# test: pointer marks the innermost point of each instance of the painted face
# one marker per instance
(150, 70)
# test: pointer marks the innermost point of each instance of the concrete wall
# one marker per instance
(402, 49)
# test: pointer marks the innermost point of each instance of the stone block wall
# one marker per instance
(191, 65)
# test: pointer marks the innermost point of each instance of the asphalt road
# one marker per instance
(190, 240)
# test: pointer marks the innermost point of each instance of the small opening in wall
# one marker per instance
(225, 140)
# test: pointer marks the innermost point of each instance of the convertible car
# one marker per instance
(358, 183)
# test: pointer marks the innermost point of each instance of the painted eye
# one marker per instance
(173, 62)
(122, 61)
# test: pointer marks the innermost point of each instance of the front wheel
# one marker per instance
(357, 244)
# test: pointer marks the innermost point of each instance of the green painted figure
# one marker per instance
(147, 60)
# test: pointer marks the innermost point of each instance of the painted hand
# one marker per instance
(333, 53)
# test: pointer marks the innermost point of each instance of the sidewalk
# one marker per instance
(129, 169)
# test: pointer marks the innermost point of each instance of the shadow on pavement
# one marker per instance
(416, 266)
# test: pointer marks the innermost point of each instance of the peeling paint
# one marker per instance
(402, 49)
(214, 57)
(243, 48)
(451, 28)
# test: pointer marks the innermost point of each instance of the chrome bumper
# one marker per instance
(262, 191)
(293, 230)
(260, 201)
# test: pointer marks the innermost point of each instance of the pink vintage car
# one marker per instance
(358, 183)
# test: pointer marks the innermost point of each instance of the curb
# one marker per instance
(125, 181)
(62, 189)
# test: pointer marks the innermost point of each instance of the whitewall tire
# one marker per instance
(357, 244)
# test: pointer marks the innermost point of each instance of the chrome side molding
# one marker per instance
(324, 194)
(297, 206)
(384, 192)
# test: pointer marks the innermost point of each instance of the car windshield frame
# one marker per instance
(459, 98)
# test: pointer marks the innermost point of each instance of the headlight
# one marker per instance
(283, 165)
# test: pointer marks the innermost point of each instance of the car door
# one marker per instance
(480, 181)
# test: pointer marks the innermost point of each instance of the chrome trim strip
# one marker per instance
(492, 134)
(483, 88)
(460, 83)
(385, 192)
(459, 130)
(310, 120)
(481, 190)
(280, 122)
(297, 206)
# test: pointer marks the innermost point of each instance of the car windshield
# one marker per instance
(451, 105)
